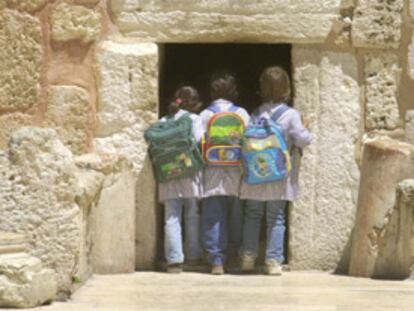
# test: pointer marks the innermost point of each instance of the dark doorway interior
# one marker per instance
(194, 64)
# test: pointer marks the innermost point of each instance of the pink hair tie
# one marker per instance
(179, 101)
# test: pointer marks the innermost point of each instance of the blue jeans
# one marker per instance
(275, 228)
(222, 227)
(173, 244)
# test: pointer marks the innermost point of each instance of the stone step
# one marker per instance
(24, 283)
(12, 243)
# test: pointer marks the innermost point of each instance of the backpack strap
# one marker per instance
(279, 112)
(213, 108)
(233, 108)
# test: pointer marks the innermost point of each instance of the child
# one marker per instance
(176, 194)
(272, 198)
(221, 207)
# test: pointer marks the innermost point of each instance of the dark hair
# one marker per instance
(186, 98)
(223, 85)
(275, 85)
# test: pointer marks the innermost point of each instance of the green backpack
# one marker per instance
(173, 150)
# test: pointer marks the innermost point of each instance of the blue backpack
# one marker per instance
(265, 154)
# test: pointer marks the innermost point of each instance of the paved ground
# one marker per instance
(293, 291)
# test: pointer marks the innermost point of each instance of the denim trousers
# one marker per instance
(222, 227)
(275, 228)
(173, 241)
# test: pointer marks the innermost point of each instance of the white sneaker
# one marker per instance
(273, 267)
(247, 263)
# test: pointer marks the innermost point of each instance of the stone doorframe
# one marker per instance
(326, 90)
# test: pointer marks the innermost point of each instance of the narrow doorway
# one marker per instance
(194, 64)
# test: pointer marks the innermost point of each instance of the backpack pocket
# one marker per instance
(264, 166)
(175, 161)
(225, 155)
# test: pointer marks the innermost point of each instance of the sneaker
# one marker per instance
(247, 263)
(175, 268)
(272, 267)
(217, 269)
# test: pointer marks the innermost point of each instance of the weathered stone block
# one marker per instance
(409, 127)
(123, 94)
(74, 22)
(89, 184)
(411, 59)
(224, 20)
(396, 240)
(327, 92)
(69, 113)
(128, 75)
(113, 217)
(382, 78)
(26, 5)
(83, 1)
(20, 59)
(411, 8)
(12, 243)
(37, 198)
(11, 122)
(385, 164)
(377, 23)
(24, 283)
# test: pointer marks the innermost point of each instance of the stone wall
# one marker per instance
(89, 70)
(38, 197)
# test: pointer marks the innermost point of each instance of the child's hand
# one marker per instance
(305, 121)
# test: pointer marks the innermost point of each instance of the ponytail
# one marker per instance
(175, 106)
(186, 98)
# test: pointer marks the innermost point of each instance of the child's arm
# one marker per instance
(301, 137)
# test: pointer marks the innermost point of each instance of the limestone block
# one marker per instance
(73, 22)
(128, 86)
(26, 5)
(411, 8)
(384, 164)
(322, 218)
(226, 20)
(69, 113)
(38, 199)
(89, 188)
(409, 127)
(12, 243)
(24, 283)
(114, 218)
(20, 60)
(395, 243)
(377, 23)
(411, 59)
(122, 91)
(11, 122)
(382, 78)
(84, 1)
